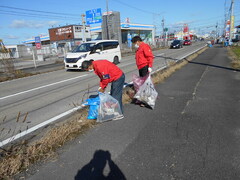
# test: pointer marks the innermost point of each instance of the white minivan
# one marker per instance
(93, 50)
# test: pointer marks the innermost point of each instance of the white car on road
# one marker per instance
(93, 50)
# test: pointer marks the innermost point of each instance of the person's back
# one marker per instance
(144, 56)
(101, 67)
(108, 73)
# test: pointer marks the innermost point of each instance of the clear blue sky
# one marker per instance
(17, 25)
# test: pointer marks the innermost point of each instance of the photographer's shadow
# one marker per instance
(95, 168)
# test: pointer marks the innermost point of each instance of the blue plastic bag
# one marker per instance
(93, 104)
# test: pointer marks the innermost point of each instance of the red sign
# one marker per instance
(38, 46)
(185, 28)
(62, 33)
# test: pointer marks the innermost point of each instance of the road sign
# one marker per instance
(37, 39)
(38, 42)
(38, 46)
(94, 16)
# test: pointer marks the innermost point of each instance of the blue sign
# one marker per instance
(94, 16)
(129, 38)
(37, 39)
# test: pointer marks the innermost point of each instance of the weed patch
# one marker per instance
(19, 157)
(234, 54)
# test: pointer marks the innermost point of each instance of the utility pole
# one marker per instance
(84, 28)
(107, 19)
(34, 59)
(216, 34)
(232, 20)
(163, 30)
(226, 18)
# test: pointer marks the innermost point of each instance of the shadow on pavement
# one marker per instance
(215, 66)
(75, 70)
(167, 58)
(94, 169)
(219, 46)
(198, 63)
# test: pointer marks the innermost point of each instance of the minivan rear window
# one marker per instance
(110, 45)
(85, 47)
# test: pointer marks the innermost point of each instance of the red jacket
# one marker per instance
(144, 56)
(107, 72)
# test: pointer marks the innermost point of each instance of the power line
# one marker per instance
(136, 8)
(35, 15)
(48, 12)
(208, 23)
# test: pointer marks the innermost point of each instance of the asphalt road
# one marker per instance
(193, 132)
(45, 96)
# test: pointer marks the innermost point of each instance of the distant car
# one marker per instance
(235, 40)
(176, 44)
(187, 42)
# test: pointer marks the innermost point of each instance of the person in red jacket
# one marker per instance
(144, 56)
(144, 59)
(108, 73)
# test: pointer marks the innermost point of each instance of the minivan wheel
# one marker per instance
(116, 60)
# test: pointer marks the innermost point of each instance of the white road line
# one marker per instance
(34, 89)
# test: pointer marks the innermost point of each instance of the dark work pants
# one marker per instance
(117, 88)
(143, 71)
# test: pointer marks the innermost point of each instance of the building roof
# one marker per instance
(43, 38)
(68, 26)
(127, 26)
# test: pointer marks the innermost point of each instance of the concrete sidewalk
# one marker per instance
(193, 132)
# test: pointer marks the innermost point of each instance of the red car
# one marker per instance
(187, 42)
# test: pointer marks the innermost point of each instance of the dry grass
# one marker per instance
(234, 54)
(236, 64)
(20, 74)
(19, 157)
(14, 75)
(128, 94)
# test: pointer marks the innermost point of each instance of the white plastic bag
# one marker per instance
(109, 108)
(147, 93)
